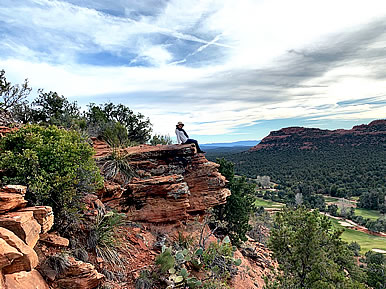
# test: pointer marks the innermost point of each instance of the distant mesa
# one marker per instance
(373, 134)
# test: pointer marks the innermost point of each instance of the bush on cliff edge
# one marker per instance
(55, 164)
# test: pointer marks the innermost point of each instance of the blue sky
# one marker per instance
(229, 69)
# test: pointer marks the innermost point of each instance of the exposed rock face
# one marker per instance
(7, 254)
(314, 138)
(19, 232)
(80, 275)
(23, 224)
(43, 215)
(170, 178)
(157, 195)
(54, 240)
(28, 259)
(12, 197)
(25, 280)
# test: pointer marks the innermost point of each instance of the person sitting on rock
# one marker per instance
(183, 138)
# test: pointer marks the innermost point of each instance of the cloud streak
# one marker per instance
(220, 66)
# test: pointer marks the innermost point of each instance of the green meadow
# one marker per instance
(366, 241)
(267, 203)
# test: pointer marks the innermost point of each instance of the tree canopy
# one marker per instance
(310, 253)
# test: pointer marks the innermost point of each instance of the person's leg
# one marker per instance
(195, 143)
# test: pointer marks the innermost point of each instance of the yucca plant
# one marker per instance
(116, 166)
(103, 236)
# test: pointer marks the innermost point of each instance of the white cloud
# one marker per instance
(219, 96)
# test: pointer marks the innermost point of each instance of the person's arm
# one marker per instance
(178, 137)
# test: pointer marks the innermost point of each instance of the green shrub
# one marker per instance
(160, 139)
(55, 164)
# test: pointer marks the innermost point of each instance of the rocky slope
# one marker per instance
(313, 138)
(171, 189)
(23, 231)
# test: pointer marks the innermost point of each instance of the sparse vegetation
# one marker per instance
(179, 264)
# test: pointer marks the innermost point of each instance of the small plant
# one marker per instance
(58, 263)
(80, 254)
(217, 260)
(166, 260)
(145, 280)
(116, 166)
(102, 237)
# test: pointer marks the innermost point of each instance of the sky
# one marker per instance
(230, 70)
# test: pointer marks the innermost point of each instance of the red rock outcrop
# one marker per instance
(79, 275)
(25, 280)
(54, 240)
(7, 254)
(170, 178)
(20, 229)
(312, 138)
(28, 259)
(4, 130)
(12, 197)
(23, 224)
(43, 215)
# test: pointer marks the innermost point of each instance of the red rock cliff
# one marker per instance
(172, 183)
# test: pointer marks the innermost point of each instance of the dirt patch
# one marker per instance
(345, 224)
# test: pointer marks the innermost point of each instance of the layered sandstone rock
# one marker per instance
(79, 275)
(154, 198)
(303, 138)
(27, 260)
(23, 224)
(25, 280)
(7, 254)
(4, 129)
(12, 197)
(43, 215)
(54, 240)
(170, 178)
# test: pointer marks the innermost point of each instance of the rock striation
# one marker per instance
(12, 197)
(168, 178)
(20, 229)
(373, 134)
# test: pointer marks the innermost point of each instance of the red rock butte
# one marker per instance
(313, 138)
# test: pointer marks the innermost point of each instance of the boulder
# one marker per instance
(12, 197)
(7, 254)
(54, 240)
(80, 275)
(43, 215)
(25, 280)
(28, 259)
(23, 224)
